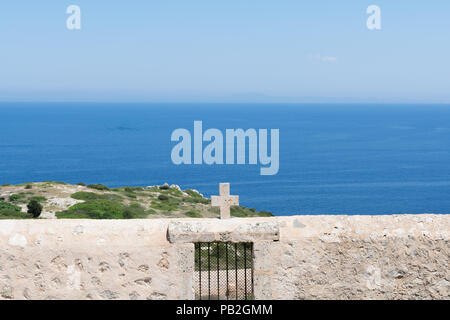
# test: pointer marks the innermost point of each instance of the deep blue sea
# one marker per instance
(334, 159)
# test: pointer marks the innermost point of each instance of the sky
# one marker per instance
(225, 51)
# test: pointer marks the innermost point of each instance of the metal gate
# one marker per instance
(223, 271)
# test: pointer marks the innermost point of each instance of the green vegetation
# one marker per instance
(100, 187)
(5, 206)
(133, 189)
(239, 255)
(103, 209)
(164, 206)
(11, 211)
(81, 184)
(39, 199)
(134, 211)
(243, 212)
(130, 195)
(17, 197)
(101, 202)
(193, 214)
(97, 209)
(90, 196)
(35, 208)
(163, 197)
(195, 197)
(264, 213)
(131, 192)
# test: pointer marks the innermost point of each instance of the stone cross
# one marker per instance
(224, 201)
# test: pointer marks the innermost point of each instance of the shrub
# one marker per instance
(193, 193)
(132, 189)
(193, 214)
(11, 211)
(100, 187)
(97, 209)
(265, 214)
(164, 206)
(81, 184)
(89, 196)
(238, 211)
(195, 197)
(28, 186)
(163, 197)
(133, 211)
(130, 195)
(39, 199)
(35, 208)
(103, 209)
(16, 197)
(164, 187)
(5, 206)
(5, 185)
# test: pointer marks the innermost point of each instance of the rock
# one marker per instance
(108, 294)
(7, 292)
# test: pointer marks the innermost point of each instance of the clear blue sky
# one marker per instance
(225, 50)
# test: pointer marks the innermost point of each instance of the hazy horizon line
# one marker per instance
(228, 102)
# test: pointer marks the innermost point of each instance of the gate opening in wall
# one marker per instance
(223, 271)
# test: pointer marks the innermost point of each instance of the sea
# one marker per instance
(334, 158)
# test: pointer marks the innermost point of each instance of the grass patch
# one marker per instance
(193, 214)
(163, 197)
(100, 187)
(91, 196)
(11, 211)
(103, 209)
(131, 195)
(97, 209)
(134, 211)
(264, 214)
(243, 212)
(172, 191)
(19, 197)
(164, 206)
(39, 199)
(195, 197)
(133, 189)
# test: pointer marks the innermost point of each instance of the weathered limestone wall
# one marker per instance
(362, 257)
(298, 257)
(91, 259)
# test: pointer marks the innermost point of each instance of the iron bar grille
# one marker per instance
(223, 271)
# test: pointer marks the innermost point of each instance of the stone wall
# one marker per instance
(298, 257)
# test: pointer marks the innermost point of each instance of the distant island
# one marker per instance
(60, 200)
